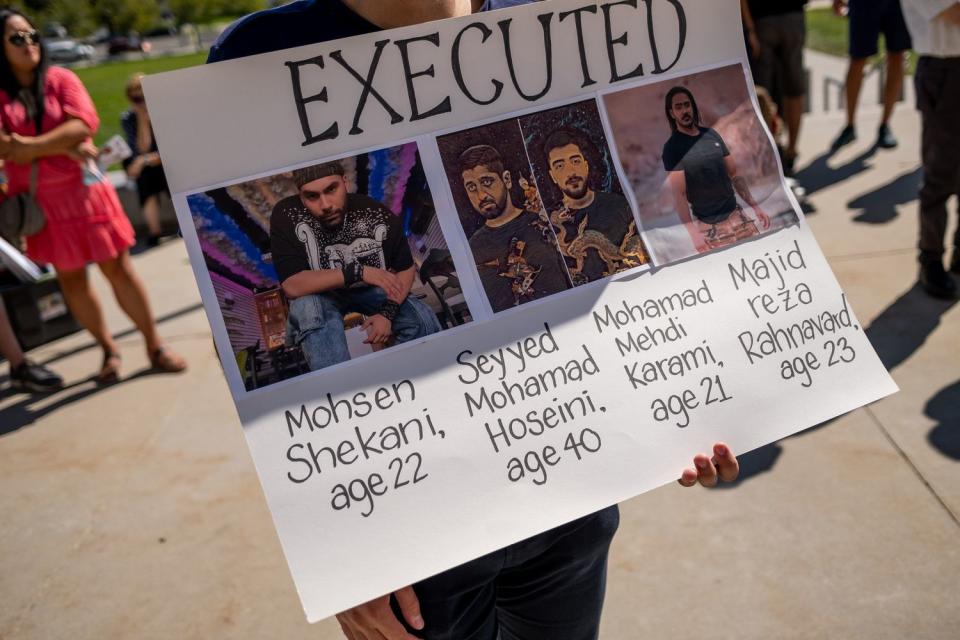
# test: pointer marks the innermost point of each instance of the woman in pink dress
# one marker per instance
(47, 118)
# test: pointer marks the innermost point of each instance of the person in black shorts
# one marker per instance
(777, 32)
(868, 19)
(144, 165)
(515, 251)
(703, 177)
(595, 230)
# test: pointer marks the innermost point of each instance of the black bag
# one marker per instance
(21, 215)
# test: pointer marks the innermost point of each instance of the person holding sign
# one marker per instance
(515, 262)
(337, 252)
(547, 587)
(703, 177)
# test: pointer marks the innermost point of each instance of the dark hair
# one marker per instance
(668, 106)
(481, 154)
(31, 97)
(561, 138)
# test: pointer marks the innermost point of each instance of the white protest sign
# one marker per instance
(608, 276)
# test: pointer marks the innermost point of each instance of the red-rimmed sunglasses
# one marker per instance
(21, 38)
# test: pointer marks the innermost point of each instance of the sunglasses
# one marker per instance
(21, 38)
(136, 99)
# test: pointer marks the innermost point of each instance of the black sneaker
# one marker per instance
(936, 281)
(848, 135)
(30, 376)
(885, 138)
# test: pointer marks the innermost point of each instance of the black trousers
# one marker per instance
(548, 587)
(938, 99)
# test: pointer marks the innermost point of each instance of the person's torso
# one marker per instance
(764, 8)
(709, 189)
(52, 171)
(362, 236)
(608, 220)
(500, 263)
(301, 23)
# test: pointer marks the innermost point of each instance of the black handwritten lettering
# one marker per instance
(615, 75)
(578, 19)
(302, 101)
(458, 65)
(410, 76)
(368, 88)
(544, 20)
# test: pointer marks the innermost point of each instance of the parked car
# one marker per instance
(123, 43)
(68, 50)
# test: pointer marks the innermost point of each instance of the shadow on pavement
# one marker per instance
(944, 407)
(880, 205)
(173, 315)
(819, 175)
(896, 334)
(21, 414)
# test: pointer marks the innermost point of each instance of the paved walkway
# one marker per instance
(135, 512)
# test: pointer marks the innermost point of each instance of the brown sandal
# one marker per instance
(162, 359)
(110, 369)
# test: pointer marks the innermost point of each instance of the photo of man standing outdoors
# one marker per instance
(703, 177)
(337, 252)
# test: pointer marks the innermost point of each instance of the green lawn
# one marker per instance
(106, 84)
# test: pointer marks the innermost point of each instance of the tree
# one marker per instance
(121, 16)
(76, 15)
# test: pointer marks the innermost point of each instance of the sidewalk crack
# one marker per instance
(916, 470)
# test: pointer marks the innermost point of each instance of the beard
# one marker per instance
(575, 188)
(331, 220)
(489, 209)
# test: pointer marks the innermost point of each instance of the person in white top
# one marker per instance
(935, 28)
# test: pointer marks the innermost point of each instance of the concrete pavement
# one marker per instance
(135, 511)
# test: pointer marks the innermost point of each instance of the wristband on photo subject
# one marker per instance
(352, 273)
(389, 310)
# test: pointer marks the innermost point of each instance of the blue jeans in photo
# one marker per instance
(315, 322)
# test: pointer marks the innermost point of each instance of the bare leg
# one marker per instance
(132, 297)
(85, 306)
(854, 82)
(793, 113)
(151, 213)
(894, 83)
(9, 347)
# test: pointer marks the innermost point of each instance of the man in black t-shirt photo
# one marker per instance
(514, 250)
(704, 179)
(595, 230)
(337, 252)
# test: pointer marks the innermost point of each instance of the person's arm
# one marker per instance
(320, 280)
(314, 281)
(379, 326)
(62, 139)
(375, 619)
(740, 184)
(678, 185)
(406, 278)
